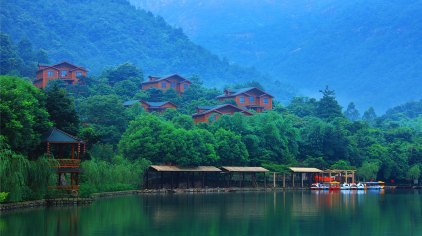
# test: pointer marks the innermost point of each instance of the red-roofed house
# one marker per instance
(249, 98)
(157, 106)
(64, 71)
(213, 113)
(175, 82)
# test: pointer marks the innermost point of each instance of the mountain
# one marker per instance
(103, 33)
(370, 52)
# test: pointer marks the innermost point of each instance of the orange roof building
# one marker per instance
(211, 114)
(249, 98)
(176, 82)
(63, 71)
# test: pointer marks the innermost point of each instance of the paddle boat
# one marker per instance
(373, 185)
(316, 186)
(353, 186)
(334, 185)
(360, 186)
(345, 186)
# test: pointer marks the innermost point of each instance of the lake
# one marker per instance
(250, 213)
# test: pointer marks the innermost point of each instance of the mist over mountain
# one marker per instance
(370, 52)
(99, 34)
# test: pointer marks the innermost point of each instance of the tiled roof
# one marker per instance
(164, 78)
(235, 92)
(215, 108)
(156, 104)
(55, 135)
(130, 103)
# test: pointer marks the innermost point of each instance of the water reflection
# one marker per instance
(272, 213)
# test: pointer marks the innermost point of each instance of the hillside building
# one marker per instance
(211, 114)
(249, 98)
(176, 82)
(63, 71)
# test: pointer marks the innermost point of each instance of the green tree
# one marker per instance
(230, 148)
(368, 170)
(9, 59)
(328, 107)
(303, 106)
(351, 112)
(122, 72)
(62, 111)
(369, 116)
(106, 114)
(23, 115)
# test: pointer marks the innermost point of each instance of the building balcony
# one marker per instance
(67, 163)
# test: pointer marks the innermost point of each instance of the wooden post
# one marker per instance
(353, 176)
(48, 149)
(203, 180)
(346, 176)
(301, 179)
(273, 179)
(284, 180)
(265, 180)
(293, 180)
(171, 180)
(161, 180)
(147, 179)
(330, 175)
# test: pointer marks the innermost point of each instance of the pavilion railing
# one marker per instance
(67, 163)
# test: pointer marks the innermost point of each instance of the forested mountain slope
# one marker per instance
(101, 33)
(370, 52)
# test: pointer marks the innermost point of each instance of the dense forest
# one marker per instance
(369, 52)
(123, 141)
(99, 34)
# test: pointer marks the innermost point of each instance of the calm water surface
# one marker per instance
(272, 213)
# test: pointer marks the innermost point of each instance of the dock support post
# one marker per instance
(293, 180)
(265, 180)
(284, 180)
(301, 179)
(161, 180)
(273, 179)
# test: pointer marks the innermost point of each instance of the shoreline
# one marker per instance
(77, 201)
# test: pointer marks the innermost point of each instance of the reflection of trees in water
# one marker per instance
(290, 212)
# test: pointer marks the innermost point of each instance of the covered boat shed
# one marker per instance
(304, 172)
(240, 170)
(173, 173)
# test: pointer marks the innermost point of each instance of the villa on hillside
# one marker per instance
(63, 71)
(249, 98)
(213, 113)
(176, 82)
(151, 106)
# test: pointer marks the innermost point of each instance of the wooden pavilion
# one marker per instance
(66, 150)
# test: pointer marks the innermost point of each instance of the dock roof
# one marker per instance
(305, 170)
(243, 169)
(165, 168)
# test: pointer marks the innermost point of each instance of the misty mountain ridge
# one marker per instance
(369, 52)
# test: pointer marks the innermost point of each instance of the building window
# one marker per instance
(78, 74)
(163, 85)
(63, 73)
(251, 99)
(185, 86)
(50, 73)
(265, 100)
(242, 100)
(173, 85)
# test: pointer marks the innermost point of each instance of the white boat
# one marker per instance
(316, 186)
(373, 185)
(345, 186)
(353, 186)
(360, 186)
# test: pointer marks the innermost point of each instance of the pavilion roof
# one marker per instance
(55, 135)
